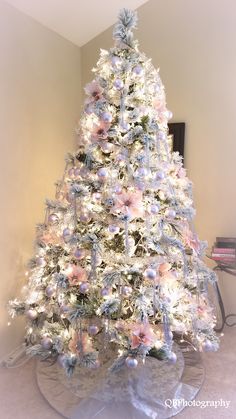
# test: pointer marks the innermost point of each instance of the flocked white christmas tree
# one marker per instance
(117, 264)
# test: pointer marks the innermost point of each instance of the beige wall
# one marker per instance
(40, 102)
(193, 43)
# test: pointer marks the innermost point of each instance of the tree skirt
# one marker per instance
(156, 389)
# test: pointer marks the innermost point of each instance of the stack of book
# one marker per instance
(224, 250)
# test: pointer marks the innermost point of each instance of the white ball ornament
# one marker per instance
(46, 342)
(31, 314)
(131, 362)
(118, 84)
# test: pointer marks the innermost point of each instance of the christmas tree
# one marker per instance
(117, 264)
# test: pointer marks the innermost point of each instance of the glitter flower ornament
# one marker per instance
(142, 334)
(94, 92)
(75, 274)
(99, 132)
(129, 203)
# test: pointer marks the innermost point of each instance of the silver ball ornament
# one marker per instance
(31, 314)
(46, 342)
(93, 330)
(84, 287)
(131, 362)
(118, 84)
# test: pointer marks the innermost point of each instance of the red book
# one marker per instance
(224, 250)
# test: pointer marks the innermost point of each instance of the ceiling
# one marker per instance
(79, 21)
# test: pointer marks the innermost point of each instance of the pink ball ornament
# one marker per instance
(31, 314)
(93, 330)
(71, 173)
(106, 117)
(41, 262)
(117, 189)
(97, 196)
(118, 84)
(46, 342)
(53, 219)
(131, 362)
(170, 213)
(150, 274)
(84, 287)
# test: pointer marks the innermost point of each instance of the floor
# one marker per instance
(21, 399)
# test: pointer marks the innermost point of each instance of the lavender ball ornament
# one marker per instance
(131, 362)
(50, 290)
(61, 359)
(138, 70)
(106, 117)
(31, 314)
(105, 292)
(154, 209)
(172, 358)
(150, 274)
(102, 173)
(93, 330)
(113, 229)
(79, 254)
(118, 84)
(46, 342)
(84, 287)
(126, 291)
(160, 175)
(170, 213)
(116, 61)
(207, 346)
